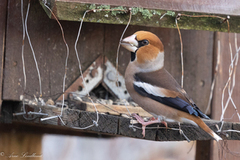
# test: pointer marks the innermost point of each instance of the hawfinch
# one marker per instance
(153, 88)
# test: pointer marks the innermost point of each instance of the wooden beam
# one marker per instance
(230, 7)
(114, 109)
(147, 15)
(118, 126)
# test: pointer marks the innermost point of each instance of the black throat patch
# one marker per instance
(133, 56)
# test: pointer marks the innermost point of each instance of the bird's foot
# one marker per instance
(160, 120)
(144, 124)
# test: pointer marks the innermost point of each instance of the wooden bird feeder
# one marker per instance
(97, 46)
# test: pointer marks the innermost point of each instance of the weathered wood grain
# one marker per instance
(205, 6)
(114, 109)
(3, 20)
(119, 126)
(235, 135)
(106, 124)
(50, 52)
(126, 130)
(74, 10)
(197, 50)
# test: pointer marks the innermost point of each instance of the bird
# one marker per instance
(154, 89)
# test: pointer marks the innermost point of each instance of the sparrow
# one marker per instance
(153, 88)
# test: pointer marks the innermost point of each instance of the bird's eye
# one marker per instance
(143, 43)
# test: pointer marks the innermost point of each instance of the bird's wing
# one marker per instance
(162, 87)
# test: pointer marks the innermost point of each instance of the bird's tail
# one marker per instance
(201, 124)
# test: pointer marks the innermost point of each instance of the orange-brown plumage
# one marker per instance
(148, 52)
(152, 38)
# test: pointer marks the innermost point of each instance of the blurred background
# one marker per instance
(120, 148)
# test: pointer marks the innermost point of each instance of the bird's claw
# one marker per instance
(144, 124)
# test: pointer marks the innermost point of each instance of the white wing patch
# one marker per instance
(154, 90)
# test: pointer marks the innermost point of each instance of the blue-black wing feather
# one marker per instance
(175, 102)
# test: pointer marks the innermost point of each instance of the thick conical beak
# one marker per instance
(130, 43)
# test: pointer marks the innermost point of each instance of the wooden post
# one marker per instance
(3, 14)
(223, 74)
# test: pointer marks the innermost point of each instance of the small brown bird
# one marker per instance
(153, 88)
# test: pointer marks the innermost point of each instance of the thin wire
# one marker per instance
(163, 15)
(127, 108)
(224, 107)
(230, 90)
(119, 44)
(181, 43)
(76, 51)
(65, 69)
(118, 49)
(234, 77)
(225, 148)
(213, 16)
(80, 69)
(191, 147)
(30, 43)
(23, 62)
(214, 79)
(24, 24)
(23, 40)
(229, 130)
(233, 70)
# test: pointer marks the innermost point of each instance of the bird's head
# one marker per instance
(147, 51)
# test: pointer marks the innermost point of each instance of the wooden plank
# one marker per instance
(50, 52)
(118, 126)
(221, 80)
(3, 15)
(197, 50)
(107, 124)
(204, 6)
(74, 10)
(236, 135)
(114, 109)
